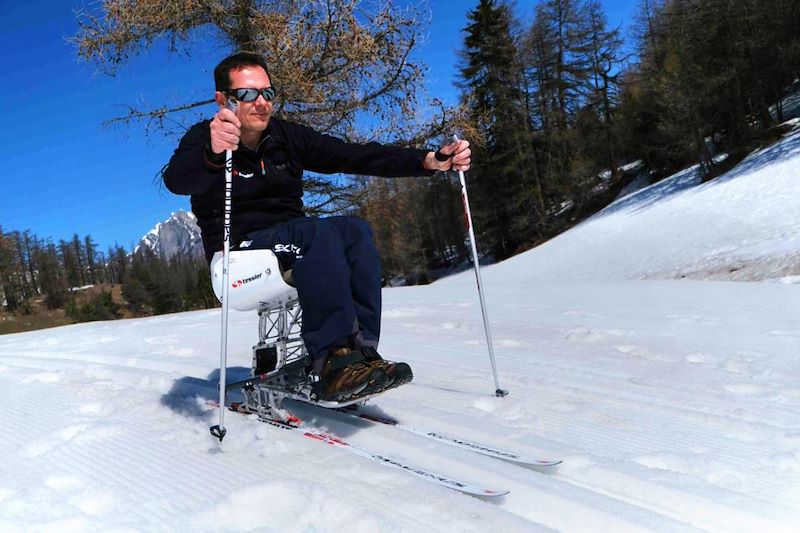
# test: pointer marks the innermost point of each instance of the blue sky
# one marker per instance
(65, 173)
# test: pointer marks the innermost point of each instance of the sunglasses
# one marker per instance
(251, 95)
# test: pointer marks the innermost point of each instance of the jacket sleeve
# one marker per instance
(191, 170)
(326, 154)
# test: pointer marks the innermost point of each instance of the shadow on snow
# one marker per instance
(188, 394)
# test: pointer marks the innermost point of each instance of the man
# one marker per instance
(335, 266)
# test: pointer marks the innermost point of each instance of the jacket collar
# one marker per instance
(271, 136)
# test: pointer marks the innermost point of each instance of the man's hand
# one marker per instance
(225, 131)
(458, 157)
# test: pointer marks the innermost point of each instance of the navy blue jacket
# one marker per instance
(267, 182)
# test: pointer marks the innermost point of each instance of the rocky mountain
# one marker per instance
(178, 235)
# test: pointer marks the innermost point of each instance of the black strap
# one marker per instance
(370, 353)
(441, 157)
(338, 362)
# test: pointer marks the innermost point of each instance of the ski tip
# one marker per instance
(551, 463)
(487, 493)
(536, 462)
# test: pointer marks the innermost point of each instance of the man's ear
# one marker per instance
(219, 98)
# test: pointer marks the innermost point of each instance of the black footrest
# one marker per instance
(266, 359)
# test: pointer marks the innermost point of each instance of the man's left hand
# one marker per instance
(458, 157)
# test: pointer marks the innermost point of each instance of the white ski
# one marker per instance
(294, 424)
(453, 441)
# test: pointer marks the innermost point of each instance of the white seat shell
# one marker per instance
(255, 278)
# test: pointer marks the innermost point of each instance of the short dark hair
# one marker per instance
(239, 60)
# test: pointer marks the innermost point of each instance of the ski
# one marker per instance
(489, 451)
(295, 424)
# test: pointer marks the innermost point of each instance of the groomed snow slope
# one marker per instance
(674, 403)
(740, 226)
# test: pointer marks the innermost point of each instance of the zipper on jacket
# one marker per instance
(263, 170)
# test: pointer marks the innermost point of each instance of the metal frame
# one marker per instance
(279, 325)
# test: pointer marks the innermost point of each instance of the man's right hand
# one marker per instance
(225, 131)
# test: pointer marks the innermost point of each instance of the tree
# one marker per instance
(79, 254)
(52, 276)
(30, 248)
(417, 224)
(135, 293)
(118, 264)
(70, 262)
(333, 62)
(99, 307)
(11, 285)
(492, 88)
(561, 52)
(648, 29)
(331, 59)
(603, 49)
(91, 259)
(708, 67)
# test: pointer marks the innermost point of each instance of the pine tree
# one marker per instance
(605, 65)
(52, 276)
(567, 23)
(70, 262)
(10, 283)
(79, 255)
(118, 264)
(709, 67)
(30, 249)
(90, 249)
(491, 84)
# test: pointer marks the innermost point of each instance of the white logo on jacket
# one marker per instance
(288, 249)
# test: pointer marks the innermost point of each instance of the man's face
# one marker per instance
(254, 116)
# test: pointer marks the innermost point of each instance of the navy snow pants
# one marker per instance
(337, 273)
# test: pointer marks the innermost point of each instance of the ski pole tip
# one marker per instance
(500, 393)
(219, 432)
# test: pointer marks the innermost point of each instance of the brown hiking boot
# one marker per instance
(396, 373)
(347, 374)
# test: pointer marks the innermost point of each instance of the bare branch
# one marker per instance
(330, 59)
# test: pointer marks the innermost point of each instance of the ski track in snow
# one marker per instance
(674, 404)
(659, 432)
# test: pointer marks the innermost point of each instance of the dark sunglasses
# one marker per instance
(251, 95)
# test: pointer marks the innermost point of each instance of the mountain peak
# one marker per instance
(179, 235)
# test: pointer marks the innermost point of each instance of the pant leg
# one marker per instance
(314, 250)
(365, 275)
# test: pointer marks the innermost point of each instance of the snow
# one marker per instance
(674, 402)
(740, 226)
(82, 288)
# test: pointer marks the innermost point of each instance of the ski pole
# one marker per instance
(219, 430)
(498, 391)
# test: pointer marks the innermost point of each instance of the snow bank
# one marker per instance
(740, 226)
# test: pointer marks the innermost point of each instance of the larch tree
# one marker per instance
(344, 67)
